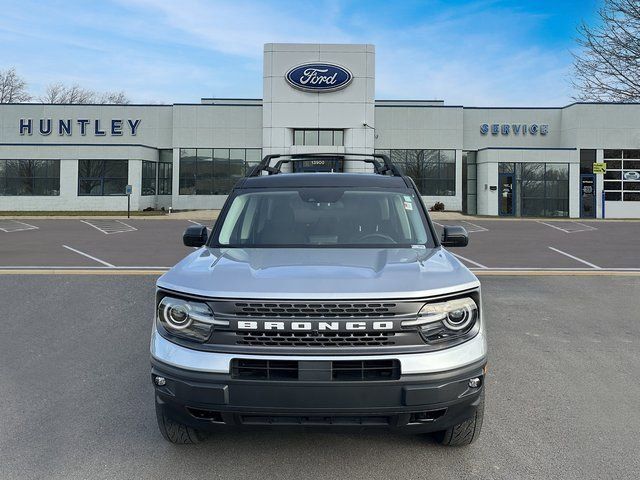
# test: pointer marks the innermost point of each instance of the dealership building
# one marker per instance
(578, 160)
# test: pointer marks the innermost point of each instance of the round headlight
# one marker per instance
(177, 314)
(459, 319)
(458, 314)
(187, 319)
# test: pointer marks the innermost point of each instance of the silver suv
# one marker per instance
(320, 299)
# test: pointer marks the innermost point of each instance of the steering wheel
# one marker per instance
(382, 236)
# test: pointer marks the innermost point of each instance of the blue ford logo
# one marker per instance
(319, 77)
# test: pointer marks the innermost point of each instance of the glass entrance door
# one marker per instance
(506, 194)
(587, 196)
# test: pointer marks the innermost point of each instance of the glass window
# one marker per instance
(622, 179)
(506, 167)
(148, 178)
(469, 182)
(324, 217)
(318, 137)
(587, 159)
(165, 178)
(205, 165)
(187, 179)
(434, 171)
(221, 172)
(541, 189)
(165, 172)
(102, 177)
(30, 177)
(325, 137)
(214, 171)
(612, 154)
(311, 137)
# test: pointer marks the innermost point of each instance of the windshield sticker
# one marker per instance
(407, 198)
(408, 206)
(419, 247)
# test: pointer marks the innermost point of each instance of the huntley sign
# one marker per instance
(67, 127)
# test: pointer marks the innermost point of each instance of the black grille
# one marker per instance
(264, 369)
(365, 370)
(336, 371)
(313, 420)
(315, 310)
(308, 339)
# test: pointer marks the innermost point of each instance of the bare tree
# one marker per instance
(75, 94)
(117, 98)
(608, 66)
(13, 89)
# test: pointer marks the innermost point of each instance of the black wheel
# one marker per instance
(176, 432)
(465, 432)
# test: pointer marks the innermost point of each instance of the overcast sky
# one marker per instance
(474, 53)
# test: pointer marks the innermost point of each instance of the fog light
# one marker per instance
(160, 381)
(474, 382)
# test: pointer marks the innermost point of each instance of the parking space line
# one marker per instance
(10, 226)
(107, 264)
(475, 228)
(577, 259)
(553, 226)
(109, 227)
(479, 265)
(193, 221)
(79, 271)
(587, 228)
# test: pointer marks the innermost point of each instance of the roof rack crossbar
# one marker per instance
(378, 167)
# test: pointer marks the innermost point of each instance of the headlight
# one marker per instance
(446, 320)
(191, 320)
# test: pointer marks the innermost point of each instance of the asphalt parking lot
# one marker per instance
(495, 245)
(562, 387)
(77, 400)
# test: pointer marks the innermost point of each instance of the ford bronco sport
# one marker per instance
(320, 299)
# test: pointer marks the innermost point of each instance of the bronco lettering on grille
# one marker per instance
(258, 325)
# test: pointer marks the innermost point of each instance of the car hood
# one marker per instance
(318, 273)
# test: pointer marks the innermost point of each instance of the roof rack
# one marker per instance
(381, 168)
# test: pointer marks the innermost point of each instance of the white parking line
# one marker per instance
(468, 260)
(109, 227)
(10, 226)
(472, 229)
(586, 228)
(475, 228)
(193, 221)
(576, 258)
(107, 264)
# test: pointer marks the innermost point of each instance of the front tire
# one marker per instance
(466, 432)
(176, 432)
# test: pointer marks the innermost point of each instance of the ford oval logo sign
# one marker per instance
(319, 77)
(632, 175)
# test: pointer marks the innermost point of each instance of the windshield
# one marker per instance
(328, 217)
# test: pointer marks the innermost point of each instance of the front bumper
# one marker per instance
(431, 394)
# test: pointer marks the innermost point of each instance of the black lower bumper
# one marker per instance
(418, 403)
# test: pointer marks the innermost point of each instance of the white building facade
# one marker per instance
(516, 161)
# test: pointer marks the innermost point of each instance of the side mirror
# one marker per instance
(455, 236)
(195, 236)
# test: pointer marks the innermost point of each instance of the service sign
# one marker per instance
(319, 77)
